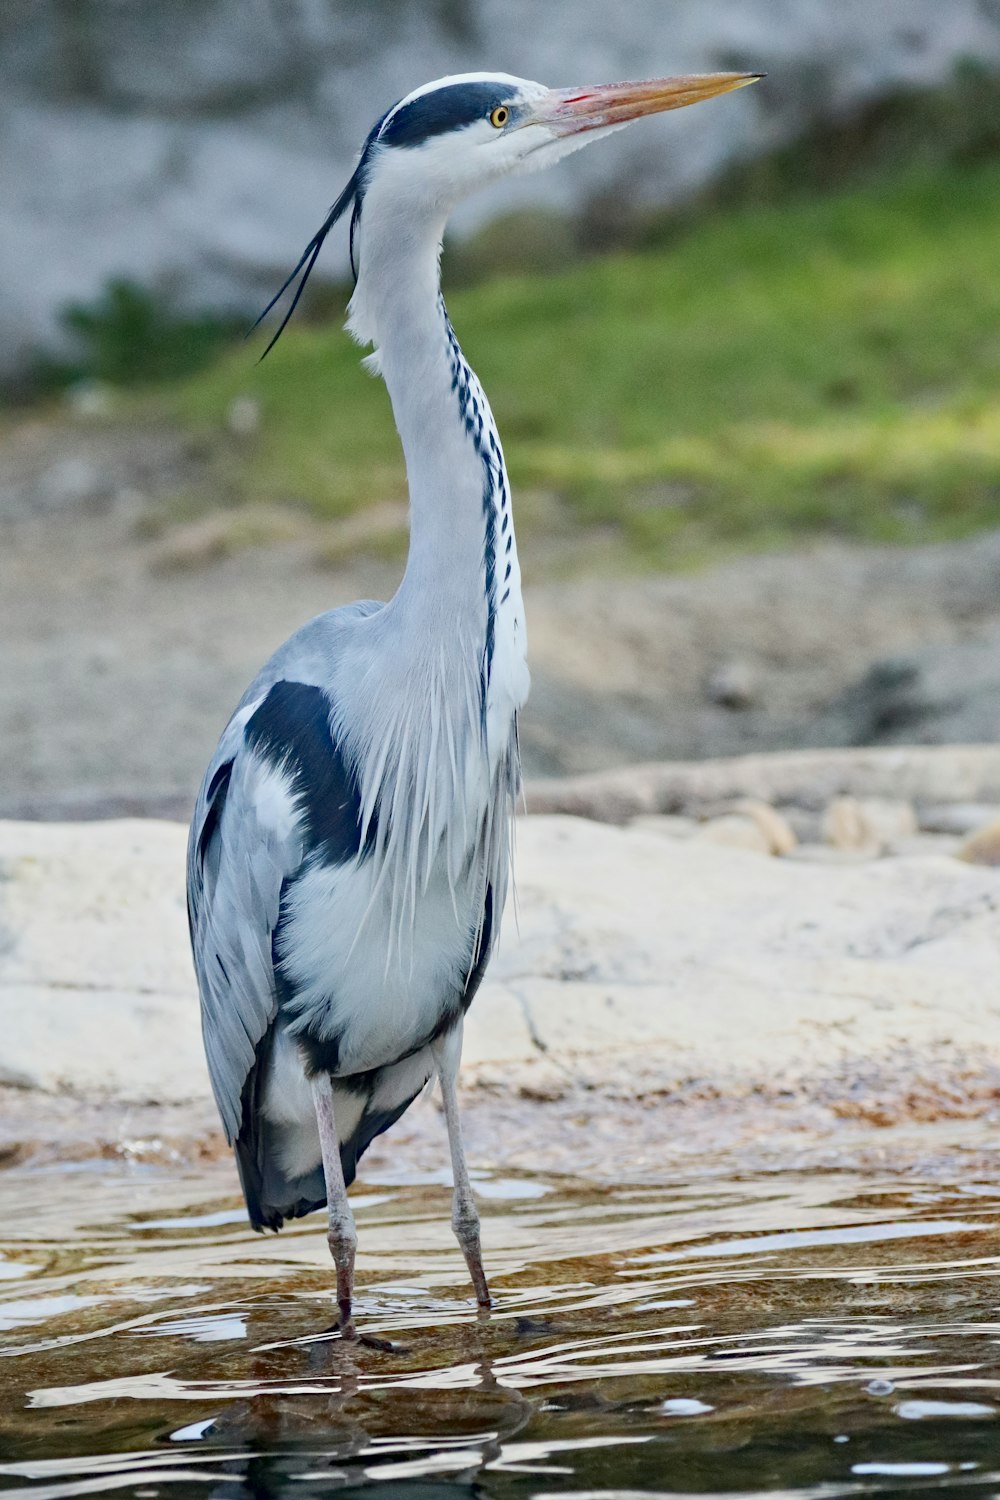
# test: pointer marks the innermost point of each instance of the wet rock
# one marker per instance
(533, 1327)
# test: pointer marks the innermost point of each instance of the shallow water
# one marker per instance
(821, 1335)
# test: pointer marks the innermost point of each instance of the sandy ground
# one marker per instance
(125, 647)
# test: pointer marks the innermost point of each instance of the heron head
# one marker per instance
(449, 138)
(453, 136)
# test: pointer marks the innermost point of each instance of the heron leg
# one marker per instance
(342, 1236)
(447, 1052)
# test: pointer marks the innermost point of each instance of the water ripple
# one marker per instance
(806, 1337)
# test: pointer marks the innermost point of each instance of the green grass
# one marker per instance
(809, 368)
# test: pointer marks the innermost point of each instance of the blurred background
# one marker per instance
(744, 358)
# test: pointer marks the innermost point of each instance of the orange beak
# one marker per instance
(568, 111)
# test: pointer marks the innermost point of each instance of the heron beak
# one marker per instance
(569, 111)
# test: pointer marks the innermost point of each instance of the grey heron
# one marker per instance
(349, 853)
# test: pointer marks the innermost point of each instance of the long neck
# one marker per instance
(459, 494)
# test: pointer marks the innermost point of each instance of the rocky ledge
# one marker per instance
(819, 948)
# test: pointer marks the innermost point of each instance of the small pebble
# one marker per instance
(736, 831)
(870, 823)
(243, 416)
(844, 826)
(880, 1387)
(384, 1346)
(776, 829)
(983, 847)
(733, 685)
(680, 1406)
(528, 1326)
(90, 399)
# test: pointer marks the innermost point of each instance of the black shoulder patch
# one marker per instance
(291, 729)
(447, 108)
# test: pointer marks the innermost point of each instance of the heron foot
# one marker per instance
(342, 1238)
(369, 1341)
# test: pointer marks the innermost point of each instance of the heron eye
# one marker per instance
(500, 116)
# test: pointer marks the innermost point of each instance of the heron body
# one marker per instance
(349, 854)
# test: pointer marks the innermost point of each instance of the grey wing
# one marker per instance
(252, 827)
(245, 841)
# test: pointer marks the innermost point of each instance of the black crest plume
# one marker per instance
(353, 193)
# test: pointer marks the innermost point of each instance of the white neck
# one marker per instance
(462, 581)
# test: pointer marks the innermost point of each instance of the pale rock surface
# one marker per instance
(96, 985)
(637, 962)
(667, 825)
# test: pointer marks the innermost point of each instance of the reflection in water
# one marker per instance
(814, 1336)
